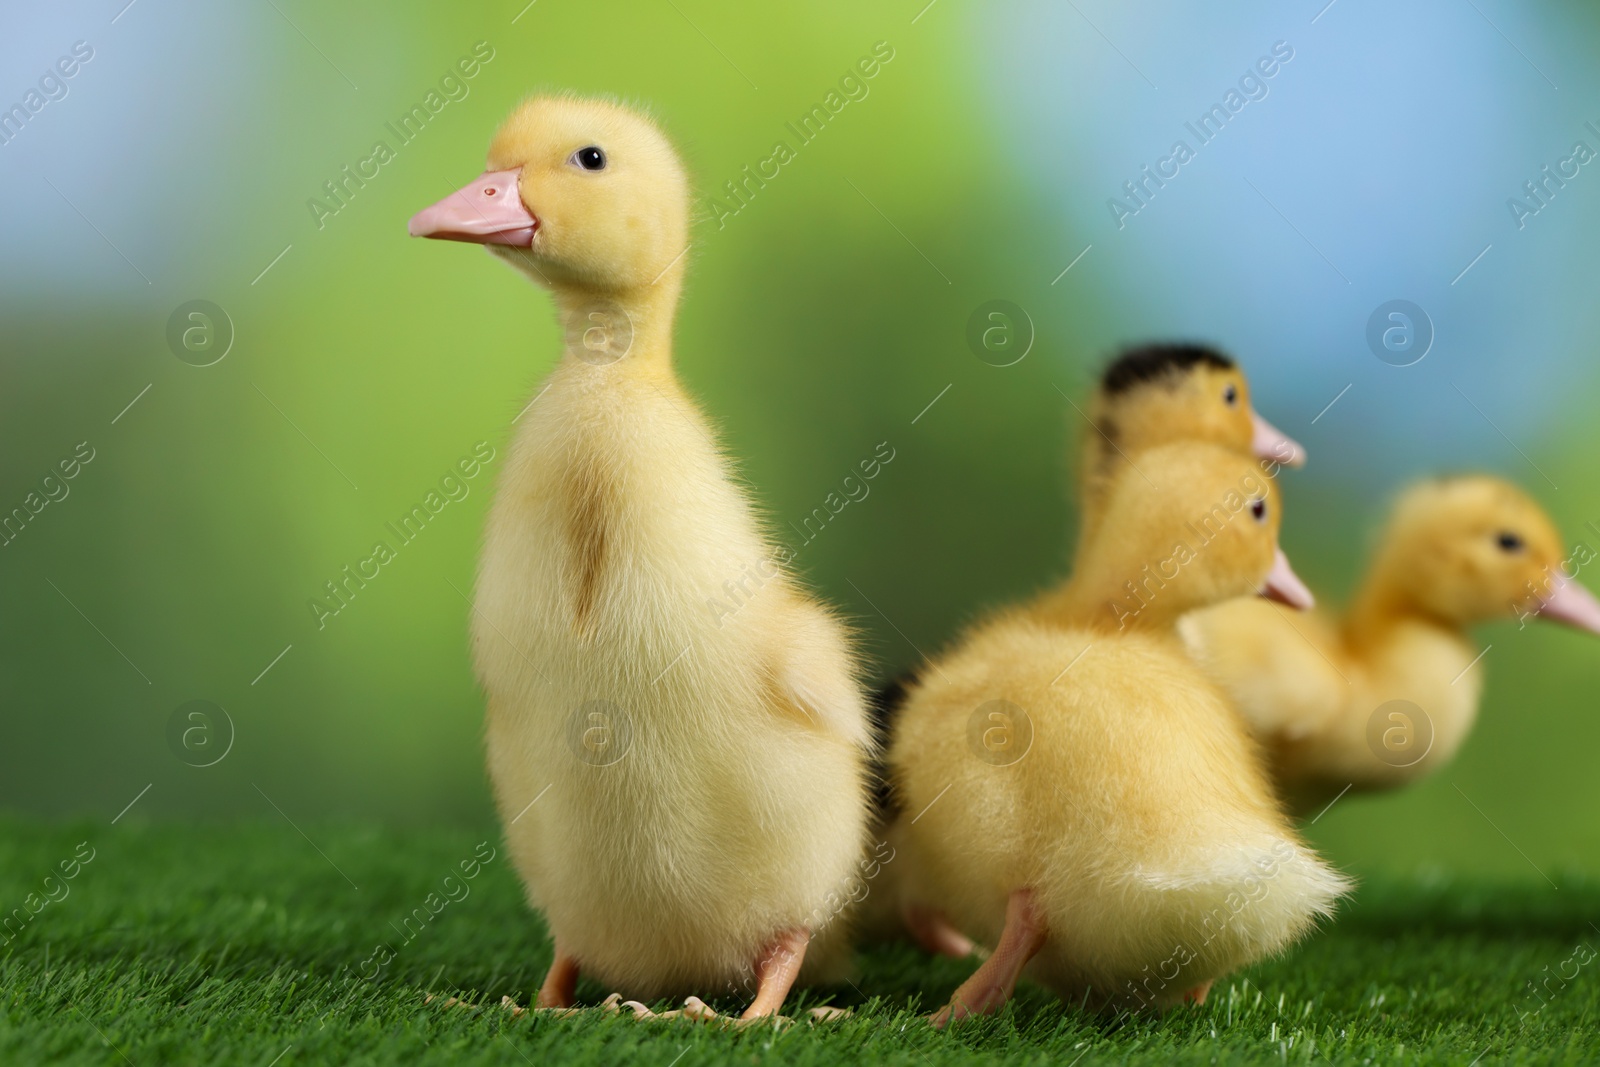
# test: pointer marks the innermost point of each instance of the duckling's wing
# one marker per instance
(815, 677)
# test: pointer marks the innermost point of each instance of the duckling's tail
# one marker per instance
(1243, 903)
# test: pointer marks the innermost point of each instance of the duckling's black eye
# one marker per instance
(1230, 395)
(1509, 542)
(1258, 510)
(590, 158)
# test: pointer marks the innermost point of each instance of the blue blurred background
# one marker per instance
(178, 162)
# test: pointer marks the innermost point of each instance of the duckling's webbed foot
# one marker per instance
(933, 932)
(775, 970)
(697, 1010)
(992, 984)
(693, 1008)
(1198, 994)
(560, 982)
(827, 1013)
(507, 1004)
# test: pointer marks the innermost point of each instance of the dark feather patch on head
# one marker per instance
(1147, 364)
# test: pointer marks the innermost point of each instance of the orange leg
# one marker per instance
(776, 971)
(1198, 994)
(992, 984)
(933, 932)
(560, 982)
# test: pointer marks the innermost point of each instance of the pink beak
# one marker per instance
(1269, 442)
(487, 212)
(1573, 605)
(1285, 586)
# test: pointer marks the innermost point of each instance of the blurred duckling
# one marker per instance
(1078, 794)
(1386, 694)
(681, 775)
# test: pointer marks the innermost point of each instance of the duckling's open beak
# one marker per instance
(1269, 442)
(1573, 605)
(487, 212)
(1285, 586)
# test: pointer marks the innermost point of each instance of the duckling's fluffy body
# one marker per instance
(736, 809)
(1157, 852)
(1309, 695)
(681, 788)
(1137, 815)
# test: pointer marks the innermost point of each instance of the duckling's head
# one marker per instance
(1188, 525)
(1158, 393)
(1471, 548)
(578, 193)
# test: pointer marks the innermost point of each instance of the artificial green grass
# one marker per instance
(246, 944)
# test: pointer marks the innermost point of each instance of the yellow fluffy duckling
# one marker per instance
(683, 788)
(1079, 795)
(1160, 393)
(1386, 694)
(1150, 395)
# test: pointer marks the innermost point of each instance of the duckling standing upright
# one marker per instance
(683, 790)
(1387, 694)
(1084, 795)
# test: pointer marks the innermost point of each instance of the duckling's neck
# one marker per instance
(1146, 603)
(1379, 607)
(630, 328)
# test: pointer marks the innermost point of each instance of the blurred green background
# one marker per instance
(820, 320)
